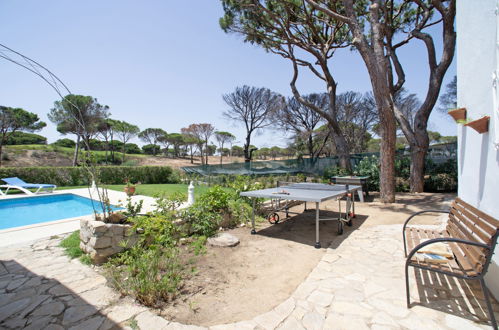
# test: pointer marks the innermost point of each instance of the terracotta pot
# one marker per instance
(480, 125)
(458, 114)
(130, 191)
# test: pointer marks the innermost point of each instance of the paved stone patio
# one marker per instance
(357, 285)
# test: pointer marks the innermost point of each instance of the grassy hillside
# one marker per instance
(49, 155)
(18, 149)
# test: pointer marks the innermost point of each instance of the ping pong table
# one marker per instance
(308, 192)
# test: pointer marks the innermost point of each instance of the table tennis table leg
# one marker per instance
(317, 241)
(253, 231)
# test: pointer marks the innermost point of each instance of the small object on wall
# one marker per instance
(480, 125)
(458, 114)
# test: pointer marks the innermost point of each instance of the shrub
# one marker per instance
(369, 166)
(240, 212)
(200, 220)
(402, 184)
(152, 276)
(67, 143)
(132, 148)
(441, 182)
(334, 171)
(78, 176)
(167, 204)
(216, 199)
(151, 149)
(21, 138)
(151, 270)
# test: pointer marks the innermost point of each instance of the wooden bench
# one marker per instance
(471, 235)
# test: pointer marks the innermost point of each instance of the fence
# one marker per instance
(438, 153)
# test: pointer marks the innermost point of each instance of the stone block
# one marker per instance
(117, 230)
(100, 242)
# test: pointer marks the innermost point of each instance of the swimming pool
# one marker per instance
(16, 212)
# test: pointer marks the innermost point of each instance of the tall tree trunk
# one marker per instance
(221, 153)
(311, 146)
(342, 150)
(387, 159)
(206, 151)
(418, 156)
(1, 151)
(247, 153)
(192, 155)
(123, 153)
(77, 147)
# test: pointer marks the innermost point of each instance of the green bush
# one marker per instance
(132, 148)
(369, 166)
(441, 182)
(151, 271)
(152, 276)
(240, 212)
(22, 138)
(67, 143)
(151, 149)
(78, 176)
(334, 171)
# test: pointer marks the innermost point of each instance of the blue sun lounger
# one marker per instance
(16, 183)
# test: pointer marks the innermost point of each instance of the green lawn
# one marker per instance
(153, 189)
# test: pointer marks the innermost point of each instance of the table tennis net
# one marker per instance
(315, 186)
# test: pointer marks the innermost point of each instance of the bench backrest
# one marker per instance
(468, 223)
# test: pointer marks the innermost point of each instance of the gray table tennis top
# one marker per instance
(306, 192)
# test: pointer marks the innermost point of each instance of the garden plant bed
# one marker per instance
(264, 269)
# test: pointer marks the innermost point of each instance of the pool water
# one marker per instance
(16, 212)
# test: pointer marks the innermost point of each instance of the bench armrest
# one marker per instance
(445, 239)
(410, 218)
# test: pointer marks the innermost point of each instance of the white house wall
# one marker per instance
(478, 159)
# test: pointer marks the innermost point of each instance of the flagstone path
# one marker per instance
(357, 285)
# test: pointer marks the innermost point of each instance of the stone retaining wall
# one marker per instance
(101, 240)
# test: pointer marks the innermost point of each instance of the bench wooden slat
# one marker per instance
(474, 221)
(494, 223)
(462, 232)
(466, 255)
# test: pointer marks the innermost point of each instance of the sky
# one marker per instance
(162, 63)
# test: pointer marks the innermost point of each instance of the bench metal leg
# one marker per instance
(489, 305)
(253, 230)
(408, 294)
(317, 242)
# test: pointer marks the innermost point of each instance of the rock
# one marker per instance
(90, 324)
(39, 323)
(223, 240)
(17, 283)
(15, 323)
(77, 313)
(12, 308)
(52, 308)
(100, 242)
(148, 320)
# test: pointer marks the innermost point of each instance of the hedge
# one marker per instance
(79, 176)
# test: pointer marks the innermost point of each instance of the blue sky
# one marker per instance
(160, 63)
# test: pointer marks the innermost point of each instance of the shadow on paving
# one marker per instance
(301, 228)
(31, 301)
(463, 298)
(410, 203)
